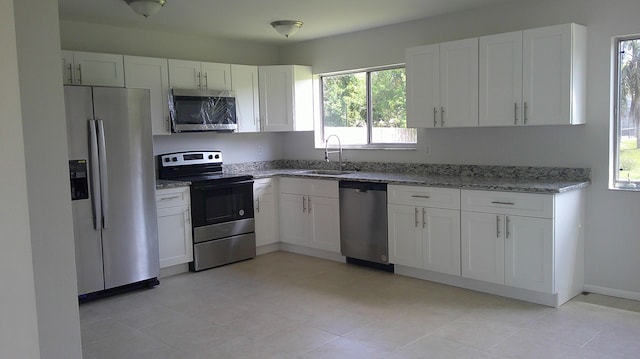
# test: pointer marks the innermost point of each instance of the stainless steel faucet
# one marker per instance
(327, 152)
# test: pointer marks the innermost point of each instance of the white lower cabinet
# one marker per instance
(501, 247)
(421, 235)
(174, 226)
(310, 213)
(265, 211)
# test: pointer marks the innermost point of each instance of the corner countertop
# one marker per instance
(164, 184)
(525, 185)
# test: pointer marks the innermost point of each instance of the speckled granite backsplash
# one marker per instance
(547, 173)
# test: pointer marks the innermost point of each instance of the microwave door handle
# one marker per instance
(94, 165)
(104, 183)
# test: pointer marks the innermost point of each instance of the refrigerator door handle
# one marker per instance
(96, 202)
(104, 184)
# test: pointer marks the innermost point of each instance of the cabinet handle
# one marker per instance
(169, 198)
(304, 204)
(168, 123)
(506, 203)
(526, 107)
(79, 74)
(419, 196)
(206, 80)
(199, 76)
(515, 113)
(70, 73)
(187, 216)
(308, 204)
(442, 116)
(424, 212)
(416, 216)
(258, 204)
(507, 227)
(435, 121)
(497, 226)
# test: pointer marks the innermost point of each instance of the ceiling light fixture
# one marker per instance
(146, 7)
(287, 27)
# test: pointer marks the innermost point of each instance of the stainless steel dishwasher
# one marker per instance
(363, 223)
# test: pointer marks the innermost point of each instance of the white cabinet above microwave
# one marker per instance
(197, 75)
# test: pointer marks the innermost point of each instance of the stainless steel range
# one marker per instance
(221, 207)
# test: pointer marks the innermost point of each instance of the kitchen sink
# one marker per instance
(326, 172)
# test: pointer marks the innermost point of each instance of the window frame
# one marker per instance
(615, 182)
(319, 128)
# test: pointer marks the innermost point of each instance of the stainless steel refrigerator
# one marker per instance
(112, 177)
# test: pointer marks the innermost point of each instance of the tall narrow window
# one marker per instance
(367, 108)
(627, 114)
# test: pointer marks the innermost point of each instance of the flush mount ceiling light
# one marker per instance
(287, 27)
(146, 7)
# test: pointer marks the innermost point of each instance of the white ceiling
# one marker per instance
(250, 19)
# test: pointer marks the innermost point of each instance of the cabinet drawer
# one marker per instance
(172, 197)
(310, 187)
(522, 204)
(448, 198)
(264, 185)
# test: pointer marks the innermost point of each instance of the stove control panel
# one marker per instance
(191, 158)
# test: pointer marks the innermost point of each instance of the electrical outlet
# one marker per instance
(260, 150)
(427, 150)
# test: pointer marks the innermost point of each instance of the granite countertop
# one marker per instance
(164, 184)
(527, 185)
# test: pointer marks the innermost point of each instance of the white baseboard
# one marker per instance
(312, 252)
(173, 270)
(612, 292)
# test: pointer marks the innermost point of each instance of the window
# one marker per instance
(626, 169)
(367, 109)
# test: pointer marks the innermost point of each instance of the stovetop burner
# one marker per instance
(195, 167)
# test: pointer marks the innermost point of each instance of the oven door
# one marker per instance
(215, 203)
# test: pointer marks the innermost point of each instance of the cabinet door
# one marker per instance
(501, 79)
(324, 223)
(482, 242)
(529, 253)
(459, 83)
(244, 82)
(441, 240)
(423, 86)
(67, 67)
(174, 236)
(216, 76)
(276, 98)
(405, 236)
(547, 75)
(294, 224)
(152, 74)
(95, 69)
(185, 74)
(265, 219)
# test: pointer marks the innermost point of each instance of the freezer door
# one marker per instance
(86, 212)
(130, 233)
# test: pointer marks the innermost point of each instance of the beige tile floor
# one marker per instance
(284, 305)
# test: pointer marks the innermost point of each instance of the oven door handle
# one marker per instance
(197, 186)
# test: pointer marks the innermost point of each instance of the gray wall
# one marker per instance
(47, 169)
(18, 326)
(612, 228)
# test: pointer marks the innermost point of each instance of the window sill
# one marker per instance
(411, 147)
(632, 186)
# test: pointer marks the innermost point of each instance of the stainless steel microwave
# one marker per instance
(202, 110)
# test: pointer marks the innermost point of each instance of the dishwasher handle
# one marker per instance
(363, 187)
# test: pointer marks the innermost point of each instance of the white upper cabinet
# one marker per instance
(533, 77)
(244, 83)
(184, 74)
(442, 84)
(92, 69)
(286, 98)
(554, 75)
(501, 79)
(151, 73)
